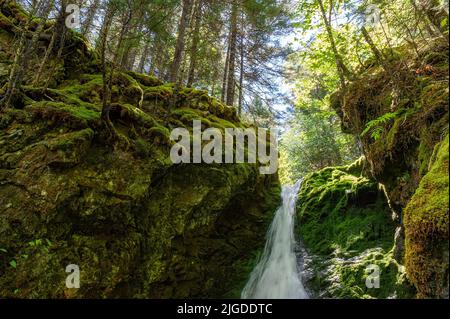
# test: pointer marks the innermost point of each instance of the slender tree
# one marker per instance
(343, 71)
(231, 81)
(24, 50)
(91, 12)
(181, 41)
(198, 12)
(225, 72)
(242, 72)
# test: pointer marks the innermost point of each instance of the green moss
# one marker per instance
(345, 222)
(143, 148)
(161, 131)
(434, 95)
(74, 111)
(137, 225)
(5, 23)
(426, 228)
(135, 114)
(69, 141)
(64, 112)
(425, 152)
(187, 115)
(15, 10)
(8, 117)
(86, 88)
(353, 275)
(146, 80)
(244, 268)
(162, 93)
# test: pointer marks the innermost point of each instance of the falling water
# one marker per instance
(276, 275)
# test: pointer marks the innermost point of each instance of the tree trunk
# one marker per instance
(231, 83)
(156, 57)
(131, 60)
(195, 39)
(107, 21)
(373, 48)
(45, 58)
(106, 24)
(241, 77)
(60, 35)
(123, 58)
(179, 49)
(23, 54)
(342, 69)
(433, 15)
(144, 57)
(225, 72)
(87, 23)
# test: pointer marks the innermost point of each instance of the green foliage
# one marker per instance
(312, 142)
(41, 244)
(376, 127)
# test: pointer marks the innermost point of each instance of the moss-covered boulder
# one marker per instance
(136, 224)
(400, 113)
(426, 218)
(345, 223)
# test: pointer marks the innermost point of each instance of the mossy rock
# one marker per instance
(427, 226)
(74, 190)
(401, 122)
(146, 80)
(345, 223)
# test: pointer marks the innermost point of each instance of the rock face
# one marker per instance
(401, 115)
(135, 224)
(345, 223)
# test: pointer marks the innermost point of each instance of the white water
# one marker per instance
(276, 276)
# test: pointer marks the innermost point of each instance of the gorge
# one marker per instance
(96, 186)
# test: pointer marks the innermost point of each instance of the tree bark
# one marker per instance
(107, 21)
(106, 24)
(87, 23)
(342, 69)
(241, 77)
(373, 48)
(45, 58)
(195, 39)
(144, 57)
(231, 82)
(225, 72)
(60, 35)
(23, 53)
(179, 49)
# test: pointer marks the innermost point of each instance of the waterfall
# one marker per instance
(276, 276)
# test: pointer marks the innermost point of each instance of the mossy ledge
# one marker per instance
(137, 225)
(426, 218)
(401, 115)
(344, 221)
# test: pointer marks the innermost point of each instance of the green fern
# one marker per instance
(376, 127)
